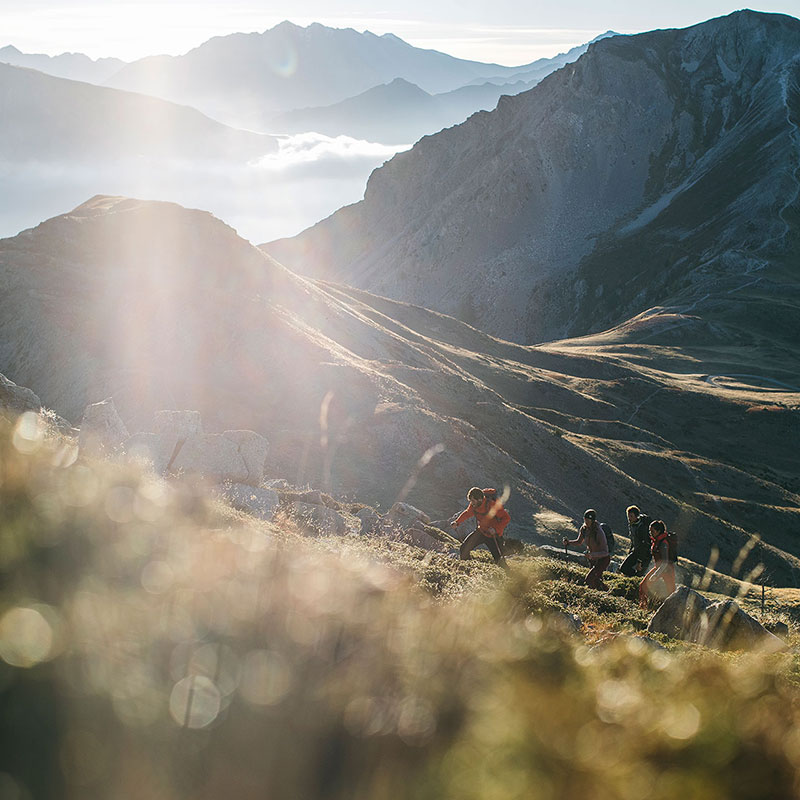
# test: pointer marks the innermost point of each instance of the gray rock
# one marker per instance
(370, 520)
(253, 449)
(102, 431)
(316, 497)
(317, 520)
(148, 448)
(177, 424)
(17, 399)
(679, 613)
(403, 515)
(261, 503)
(721, 625)
(725, 626)
(212, 456)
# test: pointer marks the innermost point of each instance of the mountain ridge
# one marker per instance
(527, 198)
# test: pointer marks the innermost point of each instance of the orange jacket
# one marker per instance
(490, 514)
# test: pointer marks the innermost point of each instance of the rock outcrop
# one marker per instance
(102, 431)
(722, 625)
(17, 399)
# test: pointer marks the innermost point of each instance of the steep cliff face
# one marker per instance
(513, 220)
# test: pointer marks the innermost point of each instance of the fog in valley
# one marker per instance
(307, 178)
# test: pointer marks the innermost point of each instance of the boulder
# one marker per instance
(17, 399)
(370, 520)
(679, 613)
(403, 515)
(102, 431)
(725, 626)
(721, 625)
(317, 520)
(177, 425)
(213, 456)
(261, 503)
(253, 449)
(149, 448)
(417, 536)
(316, 497)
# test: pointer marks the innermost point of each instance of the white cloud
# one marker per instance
(309, 178)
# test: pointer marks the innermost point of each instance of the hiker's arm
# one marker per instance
(570, 542)
(464, 515)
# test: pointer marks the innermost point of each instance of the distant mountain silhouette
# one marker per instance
(659, 169)
(400, 112)
(46, 118)
(75, 66)
(245, 79)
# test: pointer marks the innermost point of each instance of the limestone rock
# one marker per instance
(403, 515)
(102, 431)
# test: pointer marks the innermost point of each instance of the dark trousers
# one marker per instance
(475, 539)
(630, 566)
(594, 578)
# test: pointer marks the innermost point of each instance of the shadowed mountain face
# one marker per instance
(659, 169)
(161, 307)
(244, 79)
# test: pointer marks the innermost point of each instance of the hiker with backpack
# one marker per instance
(637, 561)
(491, 519)
(593, 537)
(665, 553)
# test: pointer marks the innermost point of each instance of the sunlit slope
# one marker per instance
(657, 169)
(47, 118)
(161, 307)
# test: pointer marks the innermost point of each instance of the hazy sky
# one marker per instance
(503, 31)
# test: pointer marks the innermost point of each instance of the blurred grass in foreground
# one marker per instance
(155, 645)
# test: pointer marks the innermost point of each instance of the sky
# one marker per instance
(508, 32)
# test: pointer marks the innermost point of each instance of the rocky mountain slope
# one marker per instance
(659, 169)
(244, 79)
(46, 118)
(161, 307)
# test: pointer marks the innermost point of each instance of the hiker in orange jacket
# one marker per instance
(492, 519)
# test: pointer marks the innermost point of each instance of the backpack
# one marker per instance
(671, 539)
(609, 536)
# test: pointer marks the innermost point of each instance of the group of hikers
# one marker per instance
(649, 541)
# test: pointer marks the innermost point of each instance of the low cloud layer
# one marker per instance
(278, 195)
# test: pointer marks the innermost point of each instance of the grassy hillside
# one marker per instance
(154, 644)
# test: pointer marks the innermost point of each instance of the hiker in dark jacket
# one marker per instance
(664, 569)
(638, 559)
(492, 519)
(591, 535)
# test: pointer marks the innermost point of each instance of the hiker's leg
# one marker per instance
(630, 565)
(644, 586)
(669, 579)
(469, 544)
(594, 580)
(495, 548)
